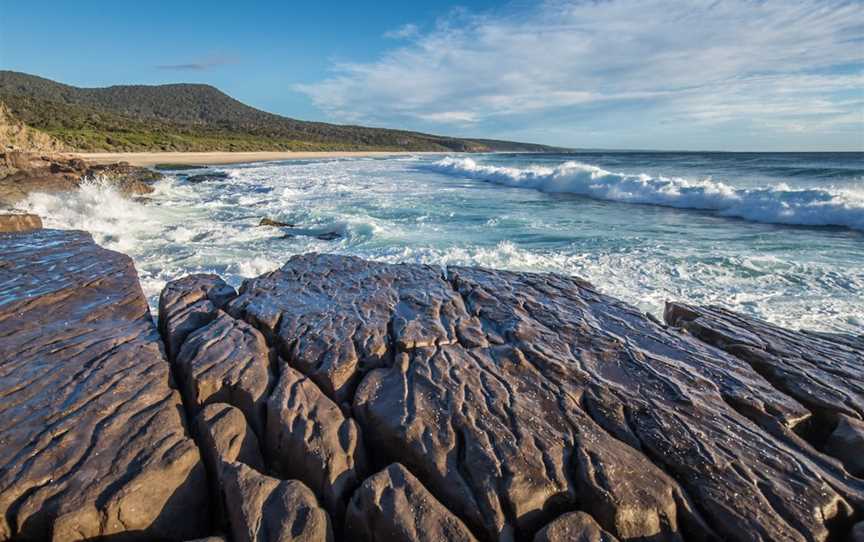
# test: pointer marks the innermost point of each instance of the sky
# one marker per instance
(695, 75)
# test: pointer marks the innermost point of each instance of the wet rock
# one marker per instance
(309, 439)
(24, 173)
(13, 223)
(846, 443)
(820, 371)
(514, 397)
(393, 505)
(92, 441)
(177, 167)
(187, 304)
(574, 527)
(264, 509)
(226, 361)
(329, 236)
(274, 223)
(857, 534)
(207, 177)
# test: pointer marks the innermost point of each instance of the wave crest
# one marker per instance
(775, 205)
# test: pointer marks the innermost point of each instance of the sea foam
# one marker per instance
(776, 204)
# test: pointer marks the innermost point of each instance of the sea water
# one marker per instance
(779, 236)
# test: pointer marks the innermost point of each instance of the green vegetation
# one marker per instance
(188, 118)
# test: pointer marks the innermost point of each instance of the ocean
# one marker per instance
(779, 236)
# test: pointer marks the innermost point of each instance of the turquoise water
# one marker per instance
(778, 236)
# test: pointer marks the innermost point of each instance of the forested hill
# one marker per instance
(190, 117)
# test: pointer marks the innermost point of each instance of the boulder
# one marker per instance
(309, 439)
(846, 443)
(207, 177)
(264, 509)
(190, 303)
(514, 397)
(93, 440)
(393, 505)
(13, 223)
(574, 527)
(226, 361)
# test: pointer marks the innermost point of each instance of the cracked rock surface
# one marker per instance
(92, 440)
(574, 527)
(393, 505)
(490, 405)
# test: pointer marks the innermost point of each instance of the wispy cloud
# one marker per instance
(201, 65)
(403, 32)
(769, 63)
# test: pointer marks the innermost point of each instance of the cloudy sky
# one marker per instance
(724, 75)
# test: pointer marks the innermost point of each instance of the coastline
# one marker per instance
(150, 159)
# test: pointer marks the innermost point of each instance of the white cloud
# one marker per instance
(771, 63)
(403, 32)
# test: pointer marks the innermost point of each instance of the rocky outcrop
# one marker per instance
(574, 527)
(514, 398)
(92, 439)
(264, 509)
(22, 173)
(19, 222)
(393, 505)
(15, 135)
(508, 406)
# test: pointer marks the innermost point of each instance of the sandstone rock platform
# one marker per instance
(342, 399)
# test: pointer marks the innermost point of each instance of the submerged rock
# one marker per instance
(207, 177)
(92, 441)
(275, 223)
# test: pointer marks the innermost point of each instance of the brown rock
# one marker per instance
(12, 223)
(225, 437)
(187, 304)
(309, 439)
(92, 441)
(846, 443)
(513, 397)
(823, 374)
(274, 223)
(393, 505)
(264, 509)
(226, 361)
(574, 527)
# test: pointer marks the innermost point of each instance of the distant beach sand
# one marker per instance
(145, 159)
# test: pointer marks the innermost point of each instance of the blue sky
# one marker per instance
(727, 75)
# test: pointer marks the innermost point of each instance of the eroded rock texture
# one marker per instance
(574, 527)
(393, 505)
(226, 361)
(92, 441)
(187, 304)
(309, 439)
(265, 509)
(515, 397)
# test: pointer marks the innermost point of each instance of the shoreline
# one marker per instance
(150, 159)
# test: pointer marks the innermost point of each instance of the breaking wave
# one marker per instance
(779, 204)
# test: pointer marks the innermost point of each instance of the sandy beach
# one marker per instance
(146, 159)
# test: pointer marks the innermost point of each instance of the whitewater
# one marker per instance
(777, 236)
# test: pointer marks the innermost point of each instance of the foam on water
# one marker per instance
(431, 211)
(777, 204)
